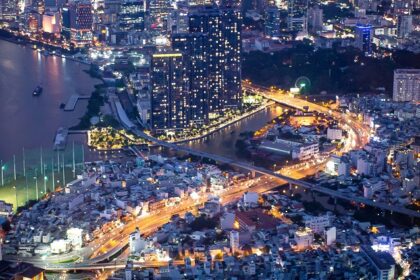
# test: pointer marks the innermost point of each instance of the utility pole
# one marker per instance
(74, 164)
(64, 175)
(24, 162)
(36, 184)
(42, 164)
(14, 167)
(52, 171)
(2, 173)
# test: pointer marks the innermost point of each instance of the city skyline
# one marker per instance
(202, 139)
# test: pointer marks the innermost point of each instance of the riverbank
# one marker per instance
(55, 50)
(226, 124)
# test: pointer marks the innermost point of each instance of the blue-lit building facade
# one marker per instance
(297, 15)
(363, 38)
(132, 15)
(65, 22)
(272, 22)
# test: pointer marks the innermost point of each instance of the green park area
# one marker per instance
(336, 70)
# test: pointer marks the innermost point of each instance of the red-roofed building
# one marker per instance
(255, 219)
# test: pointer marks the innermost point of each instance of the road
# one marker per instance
(359, 136)
(118, 239)
(112, 243)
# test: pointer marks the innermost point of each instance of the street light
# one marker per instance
(36, 187)
(45, 184)
(2, 172)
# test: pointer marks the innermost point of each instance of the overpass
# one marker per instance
(359, 131)
(94, 263)
(102, 266)
(301, 183)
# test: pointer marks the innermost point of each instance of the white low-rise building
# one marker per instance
(75, 236)
(338, 166)
(304, 238)
(334, 133)
(250, 198)
(60, 246)
(330, 235)
(319, 223)
(372, 186)
(227, 221)
(136, 242)
(305, 151)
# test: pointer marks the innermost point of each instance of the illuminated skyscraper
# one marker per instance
(194, 47)
(297, 15)
(405, 25)
(223, 28)
(272, 22)
(169, 92)
(8, 10)
(406, 85)
(232, 40)
(159, 10)
(81, 21)
(315, 19)
(363, 38)
(178, 20)
(65, 22)
(132, 15)
(404, 7)
(51, 22)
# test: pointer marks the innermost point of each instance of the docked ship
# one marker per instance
(37, 91)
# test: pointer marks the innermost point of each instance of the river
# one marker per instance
(223, 141)
(31, 122)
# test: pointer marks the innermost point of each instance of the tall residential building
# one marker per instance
(178, 20)
(132, 15)
(169, 92)
(363, 38)
(232, 40)
(81, 23)
(159, 10)
(406, 85)
(383, 263)
(194, 47)
(223, 28)
(8, 10)
(272, 22)
(65, 22)
(297, 15)
(199, 2)
(404, 26)
(234, 241)
(403, 7)
(367, 5)
(51, 22)
(315, 19)
(53, 5)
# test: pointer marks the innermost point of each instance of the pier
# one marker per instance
(71, 103)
